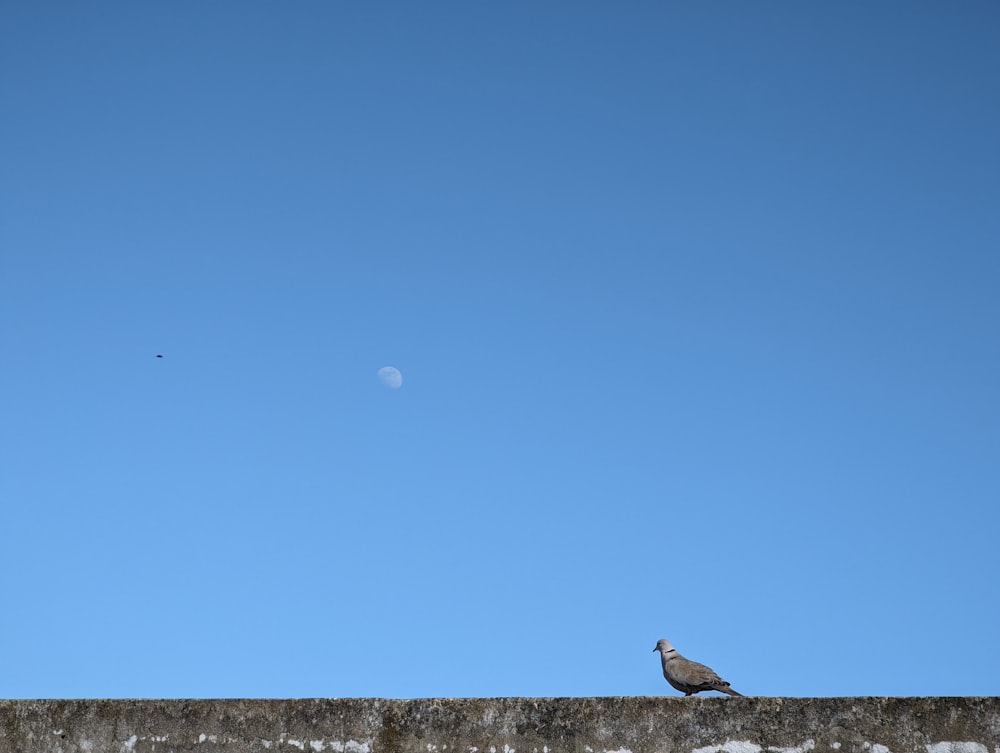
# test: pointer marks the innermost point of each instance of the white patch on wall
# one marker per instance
(620, 750)
(745, 746)
(804, 748)
(129, 744)
(318, 746)
(957, 747)
(730, 746)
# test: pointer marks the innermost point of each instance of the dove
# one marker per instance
(688, 676)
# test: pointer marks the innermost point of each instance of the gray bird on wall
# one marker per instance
(688, 676)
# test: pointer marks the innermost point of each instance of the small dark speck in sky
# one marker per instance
(159, 355)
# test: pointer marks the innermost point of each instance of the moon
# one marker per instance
(390, 377)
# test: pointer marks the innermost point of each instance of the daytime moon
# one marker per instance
(390, 377)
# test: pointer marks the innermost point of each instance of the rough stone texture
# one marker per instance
(504, 725)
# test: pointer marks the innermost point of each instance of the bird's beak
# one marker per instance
(655, 650)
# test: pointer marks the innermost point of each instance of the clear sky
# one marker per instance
(696, 307)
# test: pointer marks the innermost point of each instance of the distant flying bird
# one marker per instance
(688, 676)
(159, 355)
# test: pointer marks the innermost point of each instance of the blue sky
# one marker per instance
(696, 307)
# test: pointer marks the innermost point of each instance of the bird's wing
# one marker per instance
(699, 674)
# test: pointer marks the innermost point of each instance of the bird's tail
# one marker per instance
(726, 689)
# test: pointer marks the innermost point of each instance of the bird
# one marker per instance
(159, 355)
(688, 676)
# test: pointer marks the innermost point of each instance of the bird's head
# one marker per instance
(663, 646)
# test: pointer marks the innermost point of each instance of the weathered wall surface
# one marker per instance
(504, 725)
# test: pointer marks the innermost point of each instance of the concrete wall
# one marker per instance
(504, 725)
